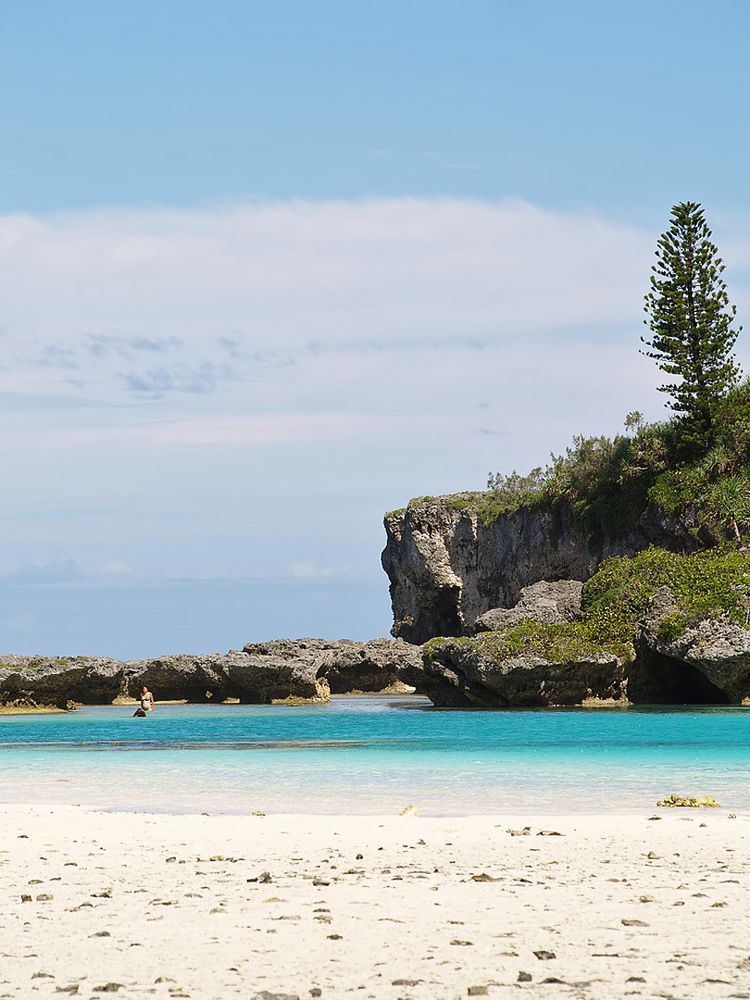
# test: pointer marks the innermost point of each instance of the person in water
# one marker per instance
(146, 705)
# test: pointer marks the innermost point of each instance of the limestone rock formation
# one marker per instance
(217, 676)
(468, 672)
(447, 567)
(58, 682)
(296, 671)
(708, 662)
(344, 664)
(545, 602)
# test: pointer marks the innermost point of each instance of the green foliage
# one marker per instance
(715, 485)
(605, 482)
(566, 642)
(729, 502)
(516, 489)
(488, 506)
(690, 319)
(711, 584)
(394, 514)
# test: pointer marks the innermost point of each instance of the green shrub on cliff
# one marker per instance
(714, 584)
(711, 584)
(608, 482)
(565, 642)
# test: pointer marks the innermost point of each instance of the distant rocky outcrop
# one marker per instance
(477, 672)
(346, 666)
(448, 563)
(58, 682)
(550, 603)
(217, 676)
(622, 638)
(295, 671)
(704, 662)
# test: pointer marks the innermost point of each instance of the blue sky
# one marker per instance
(267, 270)
(620, 106)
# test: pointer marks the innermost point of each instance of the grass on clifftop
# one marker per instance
(36, 663)
(566, 642)
(608, 482)
(713, 584)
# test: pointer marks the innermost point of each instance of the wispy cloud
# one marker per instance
(64, 570)
(248, 387)
(267, 281)
(57, 356)
(102, 345)
(313, 571)
(156, 383)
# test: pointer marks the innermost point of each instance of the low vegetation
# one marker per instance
(563, 643)
(607, 483)
(711, 584)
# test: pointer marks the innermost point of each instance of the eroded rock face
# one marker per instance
(446, 568)
(462, 673)
(709, 663)
(217, 676)
(345, 665)
(549, 603)
(299, 671)
(58, 682)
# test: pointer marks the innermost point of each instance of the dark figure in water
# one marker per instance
(146, 705)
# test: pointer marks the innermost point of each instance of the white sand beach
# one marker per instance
(379, 907)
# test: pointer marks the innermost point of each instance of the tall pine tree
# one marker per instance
(690, 319)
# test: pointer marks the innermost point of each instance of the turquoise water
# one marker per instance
(375, 755)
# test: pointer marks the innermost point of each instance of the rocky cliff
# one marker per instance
(448, 564)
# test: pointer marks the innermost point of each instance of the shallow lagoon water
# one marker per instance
(374, 755)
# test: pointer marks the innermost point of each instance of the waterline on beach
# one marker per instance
(374, 756)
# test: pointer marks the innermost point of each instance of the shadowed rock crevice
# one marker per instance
(655, 679)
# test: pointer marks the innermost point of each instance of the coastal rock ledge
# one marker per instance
(538, 656)
(479, 673)
(299, 671)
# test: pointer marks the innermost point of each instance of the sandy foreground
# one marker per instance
(391, 907)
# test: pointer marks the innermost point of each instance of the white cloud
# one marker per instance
(64, 570)
(249, 386)
(313, 571)
(158, 302)
(111, 291)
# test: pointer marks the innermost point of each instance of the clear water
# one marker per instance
(375, 755)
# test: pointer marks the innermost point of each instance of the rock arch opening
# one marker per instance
(661, 680)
